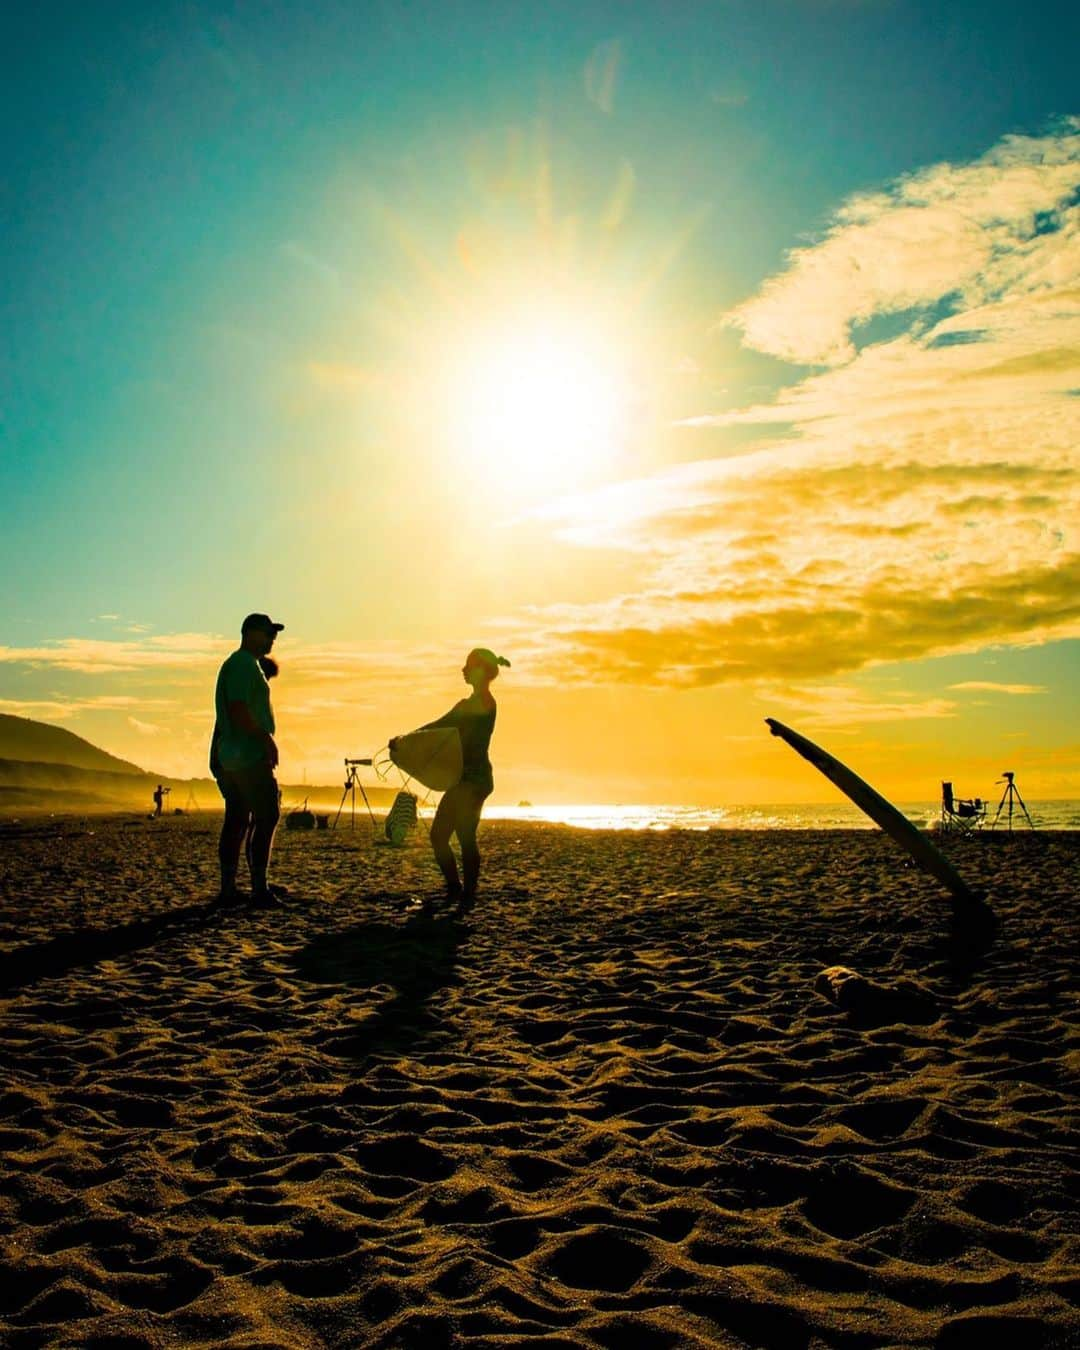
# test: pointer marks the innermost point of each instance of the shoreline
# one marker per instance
(10, 817)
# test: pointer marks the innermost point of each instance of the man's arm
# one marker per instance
(240, 716)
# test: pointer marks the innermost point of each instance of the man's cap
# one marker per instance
(262, 621)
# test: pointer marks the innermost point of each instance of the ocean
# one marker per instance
(1045, 815)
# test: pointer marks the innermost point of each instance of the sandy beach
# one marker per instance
(611, 1110)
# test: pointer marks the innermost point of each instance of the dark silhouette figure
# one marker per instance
(159, 798)
(243, 758)
(459, 811)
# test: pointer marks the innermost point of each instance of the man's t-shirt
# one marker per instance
(241, 681)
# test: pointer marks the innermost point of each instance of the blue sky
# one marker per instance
(239, 242)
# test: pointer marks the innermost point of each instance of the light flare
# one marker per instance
(541, 409)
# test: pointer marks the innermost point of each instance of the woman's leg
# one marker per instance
(442, 827)
(468, 821)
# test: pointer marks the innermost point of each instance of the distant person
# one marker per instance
(459, 811)
(159, 799)
(243, 758)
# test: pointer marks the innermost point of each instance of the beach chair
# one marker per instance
(401, 819)
(960, 815)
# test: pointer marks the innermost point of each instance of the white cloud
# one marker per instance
(974, 231)
(354, 694)
(602, 74)
(60, 709)
(845, 707)
(145, 728)
(103, 655)
(299, 253)
(993, 687)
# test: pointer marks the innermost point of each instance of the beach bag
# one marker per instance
(401, 818)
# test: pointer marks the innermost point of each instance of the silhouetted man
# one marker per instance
(243, 757)
(159, 799)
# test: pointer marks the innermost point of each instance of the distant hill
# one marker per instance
(26, 787)
(45, 768)
(40, 743)
(29, 785)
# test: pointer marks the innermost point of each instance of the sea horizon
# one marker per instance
(1050, 814)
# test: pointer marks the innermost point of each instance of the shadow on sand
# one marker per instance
(968, 942)
(416, 959)
(87, 946)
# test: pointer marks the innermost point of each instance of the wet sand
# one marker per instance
(611, 1110)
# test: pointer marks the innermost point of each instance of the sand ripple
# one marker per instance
(610, 1111)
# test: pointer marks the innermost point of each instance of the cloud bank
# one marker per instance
(926, 500)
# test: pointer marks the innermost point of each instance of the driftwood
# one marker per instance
(874, 1004)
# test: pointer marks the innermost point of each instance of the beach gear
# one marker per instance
(960, 815)
(883, 813)
(401, 818)
(432, 757)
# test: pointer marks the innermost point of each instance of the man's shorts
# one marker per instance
(252, 789)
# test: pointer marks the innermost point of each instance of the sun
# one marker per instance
(541, 406)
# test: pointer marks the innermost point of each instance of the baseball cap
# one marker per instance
(262, 621)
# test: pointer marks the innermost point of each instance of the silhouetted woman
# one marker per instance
(459, 811)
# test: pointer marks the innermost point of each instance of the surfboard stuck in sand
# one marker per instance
(432, 757)
(883, 813)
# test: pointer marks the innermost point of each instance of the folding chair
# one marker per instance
(960, 815)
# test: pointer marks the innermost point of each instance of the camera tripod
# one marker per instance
(1010, 795)
(352, 782)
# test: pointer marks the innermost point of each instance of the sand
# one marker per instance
(612, 1110)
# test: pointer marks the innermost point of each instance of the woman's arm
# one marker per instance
(450, 719)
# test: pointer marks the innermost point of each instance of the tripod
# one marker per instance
(1011, 794)
(352, 782)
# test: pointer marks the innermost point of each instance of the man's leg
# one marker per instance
(233, 829)
(263, 800)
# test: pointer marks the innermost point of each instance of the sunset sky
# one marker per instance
(711, 361)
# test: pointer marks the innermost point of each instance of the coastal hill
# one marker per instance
(45, 768)
(21, 738)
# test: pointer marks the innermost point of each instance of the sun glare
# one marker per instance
(541, 410)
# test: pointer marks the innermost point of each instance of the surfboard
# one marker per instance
(881, 812)
(432, 757)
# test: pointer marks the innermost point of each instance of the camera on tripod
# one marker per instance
(1010, 798)
(352, 782)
